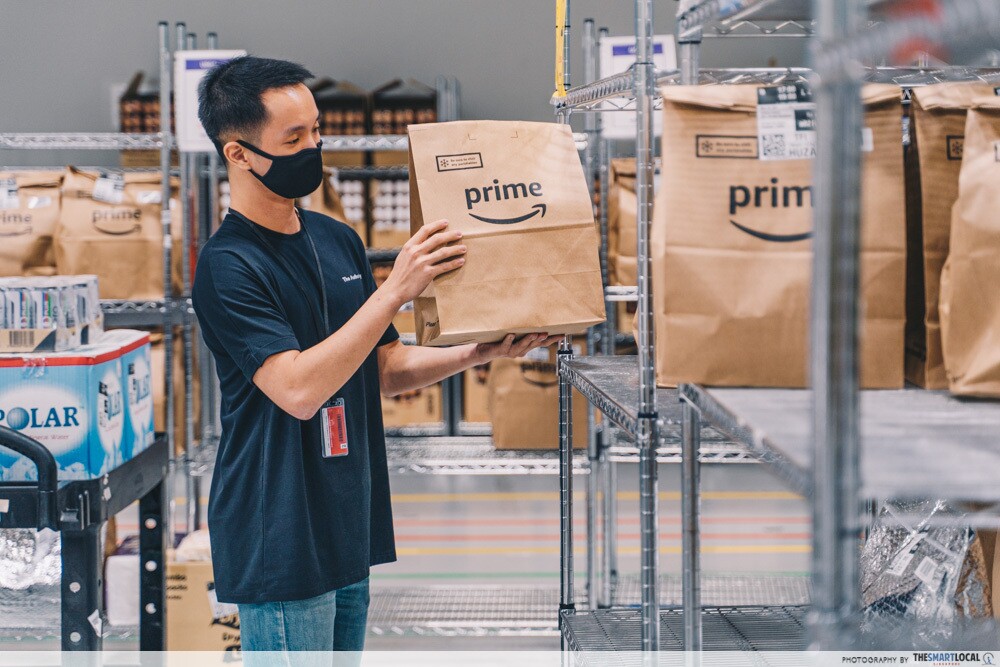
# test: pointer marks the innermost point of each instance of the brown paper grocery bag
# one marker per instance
(524, 406)
(933, 162)
(517, 192)
(326, 200)
(622, 229)
(116, 235)
(970, 281)
(29, 210)
(731, 249)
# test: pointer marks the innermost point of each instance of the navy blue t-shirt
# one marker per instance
(285, 522)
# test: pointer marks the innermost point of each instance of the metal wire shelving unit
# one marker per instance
(823, 445)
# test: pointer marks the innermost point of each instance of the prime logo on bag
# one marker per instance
(14, 224)
(731, 238)
(517, 192)
(505, 192)
(774, 196)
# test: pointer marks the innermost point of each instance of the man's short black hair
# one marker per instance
(229, 98)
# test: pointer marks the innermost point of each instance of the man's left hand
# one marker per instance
(514, 348)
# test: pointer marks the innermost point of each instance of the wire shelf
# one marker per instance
(612, 385)
(80, 141)
(618, 293)
(365, 142)
(144, 313)
(756, 628)
(903, 433)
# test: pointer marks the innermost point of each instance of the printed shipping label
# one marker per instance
(786, 122)
(905, 556)
(8, 194)
(110, 188)
(459, 162)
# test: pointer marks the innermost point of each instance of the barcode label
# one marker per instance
(927, 571)
(20, 338)
(110, 188)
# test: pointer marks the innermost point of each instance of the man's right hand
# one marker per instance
(423, 258)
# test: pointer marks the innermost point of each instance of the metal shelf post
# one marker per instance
(166, 74)
(834, 363)
(649, 563)
(594, 443)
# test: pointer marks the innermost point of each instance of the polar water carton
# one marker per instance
(91, 406)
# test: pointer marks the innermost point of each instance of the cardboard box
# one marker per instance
(476, 395)
(195, 620)
(83, 405)
(524, 406)
(396, 105)
(414, 408)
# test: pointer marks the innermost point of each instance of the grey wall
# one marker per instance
(59, 60)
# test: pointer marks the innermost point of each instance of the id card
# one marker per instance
(334, 427)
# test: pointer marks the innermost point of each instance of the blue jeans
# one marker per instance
(334, 621)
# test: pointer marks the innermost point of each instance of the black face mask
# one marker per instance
(291, 176)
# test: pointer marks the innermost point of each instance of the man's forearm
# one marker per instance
(300, 382)
(408, 368)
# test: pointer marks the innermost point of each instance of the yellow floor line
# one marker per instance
(631, 550)
(548, 496)
(543, 496)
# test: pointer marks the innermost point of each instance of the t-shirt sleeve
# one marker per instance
(390, 335)
(240, 312)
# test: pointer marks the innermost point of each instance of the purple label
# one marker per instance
(629, 49)
(205, 63)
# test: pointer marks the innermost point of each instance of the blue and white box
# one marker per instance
(91, 407)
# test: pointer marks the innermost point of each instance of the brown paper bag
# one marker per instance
(524, 406)
(517, 192)
(28, 214)
(622, 229)
(121, 243)
(732, 259)
(157, 362)
(933, 160)
(970, 281)
(326, 200)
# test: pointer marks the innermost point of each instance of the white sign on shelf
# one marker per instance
(190, 68)
(617, 55)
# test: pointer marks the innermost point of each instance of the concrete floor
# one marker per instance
(493, 537)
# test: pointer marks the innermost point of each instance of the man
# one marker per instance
(303, 341)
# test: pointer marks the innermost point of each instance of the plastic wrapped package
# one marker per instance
(931, 577)
(29, 558)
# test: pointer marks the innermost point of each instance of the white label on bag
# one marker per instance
(150, 197)
(905, 555)
(96, 622)
(109, 188)
(220, 609)
(786, 122)
(927, 571)
(8, 194)
(39, 202)
(867, 140)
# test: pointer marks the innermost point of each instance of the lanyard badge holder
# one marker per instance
(333, 415)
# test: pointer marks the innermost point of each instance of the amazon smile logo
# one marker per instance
(498, 192)
(773, 196)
